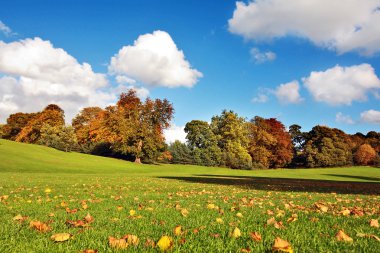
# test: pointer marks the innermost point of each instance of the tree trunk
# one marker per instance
(139, 147)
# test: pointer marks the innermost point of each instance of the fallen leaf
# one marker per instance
(341, 236)
(236, 233)
(47, 190)
(239, 215)
(282, 245)
(255, 236)
(149, 243)
(39, 226)
(20, 218)
(374, 223)
(165, 243)
(184, 212)
(178, 230)
(219, 220)
(117, 243)
(132, 212)
(89, 251)
(131, 239)
(321, 207)
(89, 218)
(61, 237)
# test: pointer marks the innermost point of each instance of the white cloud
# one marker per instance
(338, 25)
(155, 60)
(261, 98)
(370, 116)
(342, 85)
(5, 29)
(261, 57)
(35, 74)
(141, 92)
(124, 80)
(344, 119)
(288, 93)
(175, 133)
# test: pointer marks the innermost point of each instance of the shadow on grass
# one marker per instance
(285, 184)
(355, 177)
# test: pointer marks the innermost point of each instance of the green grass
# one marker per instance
(158, 193)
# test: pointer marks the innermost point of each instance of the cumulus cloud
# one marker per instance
(261, 57)
(338, 25)
(344, 119)
(288, 93)
(124, 80)
(35, 73)
(155, 60)
(5, 29)
(175, 133)
(342, 85)
(370, 116)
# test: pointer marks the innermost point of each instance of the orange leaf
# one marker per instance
(39, 226)
(131, 239)
(255, 236)
(89, 218)
(178, 230)
(374, 223)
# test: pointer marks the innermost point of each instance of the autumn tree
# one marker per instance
(52, 115)
(203, 143)
(231, 132)
(133, 127)
(326, 147)
(365, 155)
(15, 123)
(81, 123)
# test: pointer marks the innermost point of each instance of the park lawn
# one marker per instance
(309, 206)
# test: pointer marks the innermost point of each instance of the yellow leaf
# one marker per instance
(117, 243)
(282, 245)
(236, 233)
(47, 190)
(184, 212)
(165, 243)
(210, 206)
(240, 215)
(219, 220)
(132, 212)
(119, 208)
(19, 218)
(178, 230)
(341, 236)
(61, 237)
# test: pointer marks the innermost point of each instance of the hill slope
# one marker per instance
(27, 158)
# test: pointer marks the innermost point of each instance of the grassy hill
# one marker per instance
(28, 158)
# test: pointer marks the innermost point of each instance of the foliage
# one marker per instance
(231, 131)
(52, 115)
(327, 147)
(81, 123)
(58, 137)
(365, 155)
(181, 153)
(203, 143)
(15, 123)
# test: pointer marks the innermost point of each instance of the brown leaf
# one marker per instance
(149, 243)
(131, 239)
(341, 236)
(20, 218)
(88, 218)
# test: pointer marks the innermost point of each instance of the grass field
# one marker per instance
(309, 206)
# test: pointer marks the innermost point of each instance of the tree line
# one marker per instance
(132, 129)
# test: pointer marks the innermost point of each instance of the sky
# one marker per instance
(309, 63)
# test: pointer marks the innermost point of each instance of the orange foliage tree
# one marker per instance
(365, 155)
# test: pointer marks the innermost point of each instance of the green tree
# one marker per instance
(58, 137)
(326, 147)
(203, 143)
(181, 153)
(232, 133)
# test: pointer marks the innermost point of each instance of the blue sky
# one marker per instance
(219, 41)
